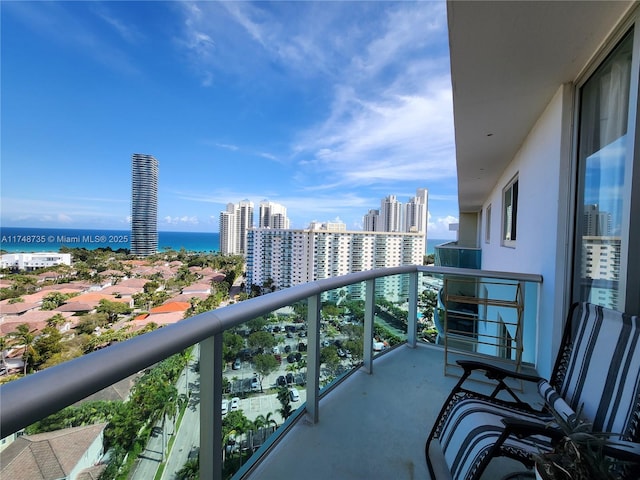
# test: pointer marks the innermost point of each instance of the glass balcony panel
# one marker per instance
(452, 255)
(341, 333)
(430, 311)
(486, 316)
(391, 312)
(263, 381)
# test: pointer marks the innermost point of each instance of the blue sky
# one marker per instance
(323, 107)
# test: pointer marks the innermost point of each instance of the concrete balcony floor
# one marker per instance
(373, 426)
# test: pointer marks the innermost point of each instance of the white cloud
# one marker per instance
(227, 146)
(439, 227)
(183, 220)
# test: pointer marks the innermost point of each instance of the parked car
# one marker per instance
(302, 334)
(235, 404)
(281, 381)
(290, 378)
(236, 364)
(291, 358)
(287, 349)
(294, 396)
(225, 406)
(255, 384)
(302, 347)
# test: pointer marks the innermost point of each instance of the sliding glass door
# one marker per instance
(605, 219)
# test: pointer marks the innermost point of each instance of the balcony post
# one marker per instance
(369, 314)
(211, 366)
(313, 357)
(412, 321)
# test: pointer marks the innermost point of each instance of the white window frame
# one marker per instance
(510, 219)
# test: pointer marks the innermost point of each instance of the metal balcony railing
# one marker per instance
(31, 398)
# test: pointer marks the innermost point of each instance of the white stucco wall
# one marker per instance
(541, 165)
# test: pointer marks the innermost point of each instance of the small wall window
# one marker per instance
(487, 225)
(510, 213)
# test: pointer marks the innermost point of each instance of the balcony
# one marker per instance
(451, 255)
(369, 421)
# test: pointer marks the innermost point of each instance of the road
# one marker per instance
(151, 457)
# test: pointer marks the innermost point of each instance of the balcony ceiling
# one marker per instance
(507, 61)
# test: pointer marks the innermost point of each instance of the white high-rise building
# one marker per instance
(390, 215)
(370, 220)
(272, 215)
(415, 212)
(228, 230)
(596, 223)
(281, 258)
(234, 224)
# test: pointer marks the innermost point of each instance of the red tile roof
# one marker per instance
(171, 307)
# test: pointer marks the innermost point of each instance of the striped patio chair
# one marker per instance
(597, 373)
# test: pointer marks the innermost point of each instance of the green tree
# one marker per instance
(232, 343)
(329, 356)
(46, 345)
(257, 324)
(113, 309)
(88, 323)
(190, 470)
(427, 302)
(264, 364)
(56, 320)
(285, 402)
(150, 287)
(261, 340)
(24, 337)
(53, 300)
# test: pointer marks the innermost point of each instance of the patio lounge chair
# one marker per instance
(597, 373)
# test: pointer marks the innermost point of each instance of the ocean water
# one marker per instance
(18, 239)
(15, 239)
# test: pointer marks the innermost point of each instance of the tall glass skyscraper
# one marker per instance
(144, 205)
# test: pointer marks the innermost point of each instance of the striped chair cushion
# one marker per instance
(555, 402)
(473, 425)
(600, 369)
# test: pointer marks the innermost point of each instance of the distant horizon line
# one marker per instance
(170, 231)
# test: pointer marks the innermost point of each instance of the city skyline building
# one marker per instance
(370, 220)
(144, 204)
(416, 212)
(390, 215)
(272, 215)
(235, 221)
(281, 258)
(393, 216)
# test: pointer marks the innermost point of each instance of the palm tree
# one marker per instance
(190, 470)
(55, 321)
(25, 338)
(285, 401)
(169, 405)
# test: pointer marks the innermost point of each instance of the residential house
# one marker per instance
(61, 454)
